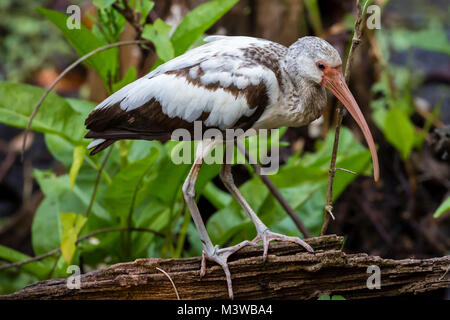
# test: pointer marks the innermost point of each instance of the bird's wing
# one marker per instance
(225, 84)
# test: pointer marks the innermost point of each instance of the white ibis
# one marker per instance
(228, 83)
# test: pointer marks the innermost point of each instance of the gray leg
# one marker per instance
(210, 251)
(263, 233)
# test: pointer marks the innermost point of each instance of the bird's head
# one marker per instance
(314, 59)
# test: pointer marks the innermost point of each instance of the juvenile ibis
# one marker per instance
(228, 83)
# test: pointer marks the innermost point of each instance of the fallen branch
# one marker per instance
(289, 273)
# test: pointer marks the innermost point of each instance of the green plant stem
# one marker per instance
(183, 232)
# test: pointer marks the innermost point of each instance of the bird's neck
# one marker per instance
(304, 99)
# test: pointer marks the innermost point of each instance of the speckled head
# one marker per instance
(312, 59)
(307, 55)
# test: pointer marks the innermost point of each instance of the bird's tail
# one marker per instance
(99, 144)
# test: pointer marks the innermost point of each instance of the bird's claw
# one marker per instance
(266, 236)
(220, 256)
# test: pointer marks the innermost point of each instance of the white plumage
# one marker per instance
(180, 98)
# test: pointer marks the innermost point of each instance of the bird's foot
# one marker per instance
(220, 256)
(266, 236)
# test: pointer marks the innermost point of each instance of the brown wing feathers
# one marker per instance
(149, 122)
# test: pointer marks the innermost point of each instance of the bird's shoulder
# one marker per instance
(231, 55)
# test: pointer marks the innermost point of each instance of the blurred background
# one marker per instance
(400, 78)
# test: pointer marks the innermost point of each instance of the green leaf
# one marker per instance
(433, 38)
(217, 197)
(443, 208)
(45, 228)
(127, 184)
(102, 4)
(78, 156)
(144, 7)
(83, 107)
(158, 33)
(399, 131)
(84, 41)
(60, 197)
(37, 268)
(129, 77)
(55, 115)
(71, 225)
(196, 22)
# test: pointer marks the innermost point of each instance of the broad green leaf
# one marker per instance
(155, 215)
(433, 38)
(12, 280)
(158, 33)
(45, 228)
(123, 192)
(83, 107)
(37, 268)
(443, 208)
(71, 225)
(399, 131)
(55, 115)
(379, 113)
(60, 197)
(129, 77)
(217, 197)
(78, 156)
(196, 22)
(84, 41)
(102, 4)
(144, 7)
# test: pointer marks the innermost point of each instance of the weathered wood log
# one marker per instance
(289, 273)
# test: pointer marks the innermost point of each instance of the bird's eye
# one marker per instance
(321, 66)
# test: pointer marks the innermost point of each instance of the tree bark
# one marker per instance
(289, 273)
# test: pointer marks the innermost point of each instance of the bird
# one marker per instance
(228, 83)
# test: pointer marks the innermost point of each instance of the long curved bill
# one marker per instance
(334, 81)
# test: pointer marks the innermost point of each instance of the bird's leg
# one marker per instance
(210, 251)
(263, 233)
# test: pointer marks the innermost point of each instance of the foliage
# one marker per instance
(139, 186)
(393, 108)
(23, 32)
(443, 208)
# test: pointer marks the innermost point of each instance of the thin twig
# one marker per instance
(118, 229)
(34, 259)
(340, 114)
(87, 236)
(346, 170)
(274, 190)
(69, 68)
(97, 182)
(171, 281)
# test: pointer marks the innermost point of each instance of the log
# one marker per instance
(289, 273)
